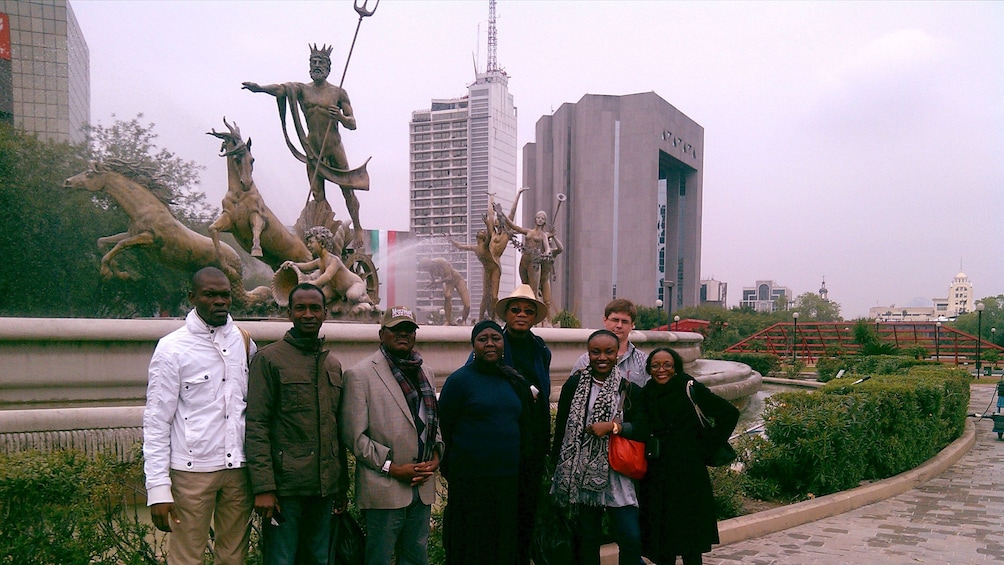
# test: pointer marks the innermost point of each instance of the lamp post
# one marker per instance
(676, 323)
(937, 342)
(794, 338)
(993, 340)
(979, 336)
(658, 311)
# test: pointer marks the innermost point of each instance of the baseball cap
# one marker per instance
(397, 315)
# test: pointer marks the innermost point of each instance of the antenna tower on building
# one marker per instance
(493, 40)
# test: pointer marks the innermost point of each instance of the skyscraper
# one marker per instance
(461, 150)
(45, 85)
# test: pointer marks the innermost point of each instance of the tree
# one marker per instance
(814, 308)
(133, 142)
(650, 318)
(49, 233)
(728, 327)
(993, 317)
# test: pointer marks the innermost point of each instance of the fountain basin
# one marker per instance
(82, 382)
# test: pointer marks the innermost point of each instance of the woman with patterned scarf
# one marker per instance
(596, 402)
(485, 414)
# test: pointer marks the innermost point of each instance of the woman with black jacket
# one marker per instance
(675, 497)
(596, 402)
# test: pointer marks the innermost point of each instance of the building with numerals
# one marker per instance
(631, 168)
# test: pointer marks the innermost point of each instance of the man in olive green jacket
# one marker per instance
(296, 461)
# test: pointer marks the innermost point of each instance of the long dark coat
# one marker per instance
(677, 509)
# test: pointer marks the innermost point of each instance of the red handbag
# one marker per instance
(627, 457)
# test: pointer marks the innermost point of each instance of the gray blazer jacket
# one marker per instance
(375, 420)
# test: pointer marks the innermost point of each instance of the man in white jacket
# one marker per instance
(193, 430)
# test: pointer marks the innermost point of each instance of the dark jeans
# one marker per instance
(588, 531)
(405, 530)
(304, 535)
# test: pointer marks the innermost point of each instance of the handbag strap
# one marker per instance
(700, 415)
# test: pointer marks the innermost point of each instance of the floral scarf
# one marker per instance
(582, 472)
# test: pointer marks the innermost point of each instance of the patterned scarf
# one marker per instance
(582, 472)
(423, 395)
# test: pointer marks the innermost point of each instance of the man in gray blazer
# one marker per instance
(389, 419)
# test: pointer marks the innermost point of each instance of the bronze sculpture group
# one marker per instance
(320, 249)
(324, 251)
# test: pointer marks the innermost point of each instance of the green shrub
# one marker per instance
(834, 438)
(62, 507)
(727, 485)
(828, 367)
(763, 363)
(566, 319)
(793, 370)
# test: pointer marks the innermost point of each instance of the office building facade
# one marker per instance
(632, 170)
(766, 296)
(461, 150)
(44, 69)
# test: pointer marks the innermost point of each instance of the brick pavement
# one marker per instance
(956, 518)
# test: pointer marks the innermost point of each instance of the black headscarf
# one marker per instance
(519, 385)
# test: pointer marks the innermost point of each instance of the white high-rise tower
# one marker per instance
(462, 149)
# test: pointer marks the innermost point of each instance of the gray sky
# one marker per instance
(857, 141)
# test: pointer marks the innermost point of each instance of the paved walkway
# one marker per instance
(956, 518)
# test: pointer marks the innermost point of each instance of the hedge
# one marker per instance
(844, 433)
(763, 363)
(828, 367)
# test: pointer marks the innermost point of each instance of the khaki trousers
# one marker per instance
(221, 497)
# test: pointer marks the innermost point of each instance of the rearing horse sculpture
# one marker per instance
(153, 227)
(245, 214)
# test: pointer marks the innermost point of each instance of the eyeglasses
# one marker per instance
(515, 310)
(667, 366)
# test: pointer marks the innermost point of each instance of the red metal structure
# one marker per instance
(818, 339)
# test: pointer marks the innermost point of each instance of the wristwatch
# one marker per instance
(386, 467)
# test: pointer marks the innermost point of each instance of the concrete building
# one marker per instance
(45, 85)
(766, 296)
(632, 169)
(714, 293)
(461, 150)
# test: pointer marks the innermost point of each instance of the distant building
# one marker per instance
(823, 293)
(714, 293)
(766, 296)
(45, 84)
(632, 169)
(958, 302)
(461, 150)
(960, 295)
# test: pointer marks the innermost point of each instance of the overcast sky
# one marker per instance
(860, 141)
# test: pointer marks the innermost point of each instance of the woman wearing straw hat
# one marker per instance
(529, 355)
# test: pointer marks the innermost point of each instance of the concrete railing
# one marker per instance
(82, 382)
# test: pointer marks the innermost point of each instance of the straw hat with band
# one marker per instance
(522, 292)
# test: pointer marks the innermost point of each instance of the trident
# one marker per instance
(363, 13)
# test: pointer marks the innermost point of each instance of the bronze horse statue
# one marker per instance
(245, 214)
(153, 227)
